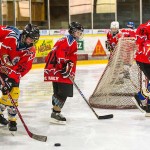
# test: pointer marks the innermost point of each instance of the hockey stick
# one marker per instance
(98, 117)
(32, 135)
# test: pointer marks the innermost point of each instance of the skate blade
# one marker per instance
(54, 121)
(137, 105)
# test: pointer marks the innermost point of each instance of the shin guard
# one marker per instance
(11, 113)
(57, 102)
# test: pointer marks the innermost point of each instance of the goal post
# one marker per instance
(120, 80)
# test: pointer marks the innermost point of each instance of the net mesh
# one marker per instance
(120, 80)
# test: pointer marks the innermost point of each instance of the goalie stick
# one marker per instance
(98, 117)
(31, 135)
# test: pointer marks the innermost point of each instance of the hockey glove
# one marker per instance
(7, 87)
(67, 68)
(108, 46)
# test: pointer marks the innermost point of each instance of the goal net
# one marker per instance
(120, 80)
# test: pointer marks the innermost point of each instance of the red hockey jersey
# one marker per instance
(15, 58)
(143, 42)
(127, 32)
(65, 49)
(113, 39)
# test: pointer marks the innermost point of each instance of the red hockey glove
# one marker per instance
(67, 68)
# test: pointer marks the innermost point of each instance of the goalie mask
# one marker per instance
(76, 30)
(30, 32)
(114, 26)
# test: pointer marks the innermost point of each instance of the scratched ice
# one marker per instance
(128, 130)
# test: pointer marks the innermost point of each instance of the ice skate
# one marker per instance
(12, 126)
(3, 121)
(57, 118)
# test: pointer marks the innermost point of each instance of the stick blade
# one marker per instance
(106, 116)
(39, 137)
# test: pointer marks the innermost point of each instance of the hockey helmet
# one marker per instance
(31, 31)
(76, 27)
(131, 25)
(114, 26)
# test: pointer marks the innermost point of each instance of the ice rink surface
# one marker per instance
(128, 130)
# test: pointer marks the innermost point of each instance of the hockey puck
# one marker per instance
(57, 144)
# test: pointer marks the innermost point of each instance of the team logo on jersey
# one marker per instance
(7, 60)
(15, 60)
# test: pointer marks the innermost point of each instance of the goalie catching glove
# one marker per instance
(67, 68)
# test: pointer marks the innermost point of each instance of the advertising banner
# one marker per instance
(80, 45)
(43, 47)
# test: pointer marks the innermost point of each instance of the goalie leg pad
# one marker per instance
(15, 92)
(11, 113)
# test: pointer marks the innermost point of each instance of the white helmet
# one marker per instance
(114, 26)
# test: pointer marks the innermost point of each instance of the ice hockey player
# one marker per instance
(129, 53)
(129, 30)
(142, 58)
(16, 57)
(112, 37)
(60, 64)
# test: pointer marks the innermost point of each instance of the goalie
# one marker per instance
(142, 58)
(112, 37)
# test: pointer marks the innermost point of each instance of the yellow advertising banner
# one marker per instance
(43, 47)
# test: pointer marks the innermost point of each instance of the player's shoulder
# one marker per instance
(126, 29)
(12, 28)
(13, 32)
(119, 34)
(66, 40)
(33, 49)
(109, 32)
(70, 40)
